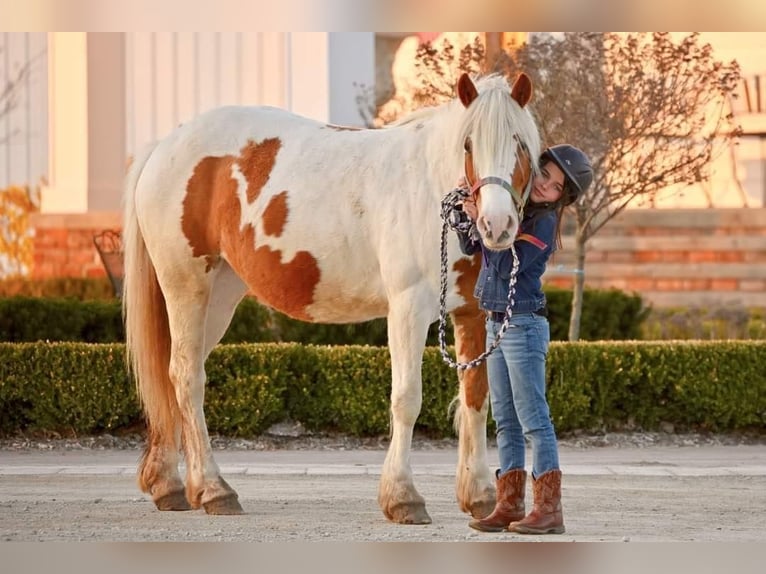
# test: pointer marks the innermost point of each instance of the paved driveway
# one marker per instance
(714, 493)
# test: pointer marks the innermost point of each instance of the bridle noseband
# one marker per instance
(520, 199)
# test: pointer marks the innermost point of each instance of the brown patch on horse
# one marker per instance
(470, 333)
(467, 273)
(470, 173)
(288, 287)
(275, 215)
(207, 204)
(212, 216)
(523, 170)
(522, 89)
(256, 160)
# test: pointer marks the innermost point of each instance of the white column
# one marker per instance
(323, 69)
(67, 189)
(308, 89)
(106, 120)
(352, 65)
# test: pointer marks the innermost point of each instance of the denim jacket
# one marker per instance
(534, 245)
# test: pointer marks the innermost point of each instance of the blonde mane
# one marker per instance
(417, 115)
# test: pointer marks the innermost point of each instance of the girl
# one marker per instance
(516, 369)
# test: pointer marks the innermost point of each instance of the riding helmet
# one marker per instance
(576, 167)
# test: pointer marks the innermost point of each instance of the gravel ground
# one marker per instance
(652, 494)
(292, 436)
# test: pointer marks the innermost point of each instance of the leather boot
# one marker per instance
(509, 505)
(546, 516)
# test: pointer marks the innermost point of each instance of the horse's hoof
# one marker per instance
(175, 500)
(481, 508)
(224, 505)
(412, 513)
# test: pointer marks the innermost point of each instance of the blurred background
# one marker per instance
(74, 107)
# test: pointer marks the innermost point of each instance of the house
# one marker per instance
(90, 100)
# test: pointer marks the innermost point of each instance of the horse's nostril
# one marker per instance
(486, 227)
(504, 236)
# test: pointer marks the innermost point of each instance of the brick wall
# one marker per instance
(676, 257)
(671, 257)
(63, 243)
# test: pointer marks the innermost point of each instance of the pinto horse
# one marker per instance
(324, 224)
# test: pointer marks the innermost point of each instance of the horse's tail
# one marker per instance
(147, 334)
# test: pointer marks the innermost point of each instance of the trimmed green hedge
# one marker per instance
(78, 388)
(607, 315)
(80, 288)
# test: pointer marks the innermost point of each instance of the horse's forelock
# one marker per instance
(492, 121)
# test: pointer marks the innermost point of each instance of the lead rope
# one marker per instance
(463, 225)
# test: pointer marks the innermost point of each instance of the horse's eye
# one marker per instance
(467, 145)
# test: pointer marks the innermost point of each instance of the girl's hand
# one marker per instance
(469, 206)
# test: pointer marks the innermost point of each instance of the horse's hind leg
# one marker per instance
(474, 486)
(407, 328)
(187, 315)
(228, 290)
(158, 471)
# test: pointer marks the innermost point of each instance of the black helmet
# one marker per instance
(576, 167)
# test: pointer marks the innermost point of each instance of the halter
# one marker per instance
(520, 199)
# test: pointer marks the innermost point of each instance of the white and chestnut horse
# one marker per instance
(324, 224)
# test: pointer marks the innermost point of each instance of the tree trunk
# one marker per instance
(493, 41)
(579, 286)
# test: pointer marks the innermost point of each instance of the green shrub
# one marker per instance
(24, 319)
(82, 289)
(83, 389)
(705, 323)
(66, 388)
(608, 315)
(246, 387)
(349, 393)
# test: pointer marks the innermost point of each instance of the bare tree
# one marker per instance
(16, 202)
(437, 69)
(12, 87)
(649, 111)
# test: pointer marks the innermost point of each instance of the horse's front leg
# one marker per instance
(407, 329)
(475, 487)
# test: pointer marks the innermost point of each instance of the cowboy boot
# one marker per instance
(509, 505)
(546, 516)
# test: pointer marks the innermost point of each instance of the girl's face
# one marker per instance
(549, 185)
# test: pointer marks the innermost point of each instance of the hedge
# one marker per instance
(607, 315)
(83, 389)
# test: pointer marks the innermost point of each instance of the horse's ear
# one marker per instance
(466, 90)
(522, 89)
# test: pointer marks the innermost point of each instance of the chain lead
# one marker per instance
(449, 205)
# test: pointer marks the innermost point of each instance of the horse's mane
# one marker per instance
(417, 115)
(503, 122)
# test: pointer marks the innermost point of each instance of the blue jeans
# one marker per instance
(516, 372)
